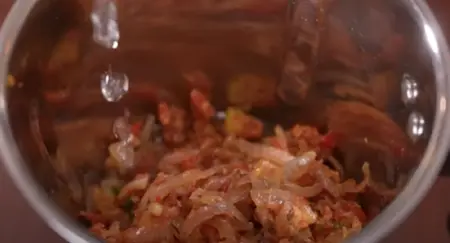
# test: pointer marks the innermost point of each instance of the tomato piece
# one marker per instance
(329, 141)
(240, 124)
(201, 107)
(174, 123)
(136, 128)
(164, 113)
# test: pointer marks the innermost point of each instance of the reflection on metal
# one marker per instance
(294, 84)
(104, 23)
(430, 37)
(416, 126)
(410, 89)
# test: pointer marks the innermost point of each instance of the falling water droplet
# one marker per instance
(416, 126)
(114, 85)
(104, 23)
(122, 129)
(123, 152)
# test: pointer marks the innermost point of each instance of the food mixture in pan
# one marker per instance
(242, 171)
(208, 176)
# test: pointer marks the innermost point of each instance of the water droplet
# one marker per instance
(122, 129)
(114, 85)
(123, 153)
(416, 126)
(410, 89)
(104, 23)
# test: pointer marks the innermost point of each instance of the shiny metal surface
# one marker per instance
(54, 217)
(395, 213)
(410, 89)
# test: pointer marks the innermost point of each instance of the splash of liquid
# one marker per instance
(105, 23)
(123, 150)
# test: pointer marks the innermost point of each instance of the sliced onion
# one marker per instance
(261, 151)
(350, 186)
(220, 182)
(216, 182)
(204, 197)
(328, 184)
(291, 223)
(225, 230)
(170, 162)
(147, 129)
(269, 196)
(171, 184)
(275, 199)
(336, 165)
(281, 137)
(386, 159)
(201, 215)
(282, 223)
(139, 183)
(308, 191)
(297, 167)
(265, 175)
(237, 195)
(242, 182)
